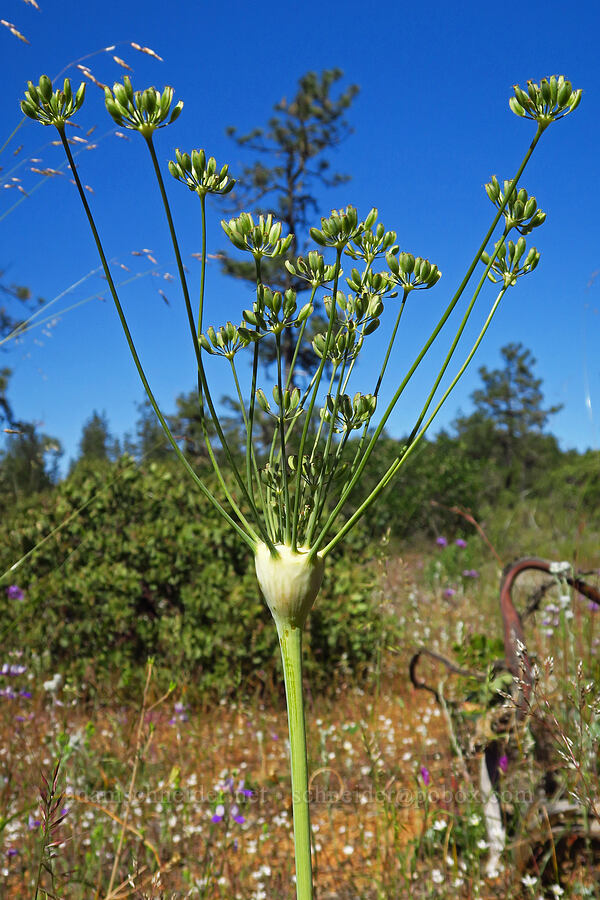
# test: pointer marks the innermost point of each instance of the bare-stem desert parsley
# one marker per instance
(301, 473)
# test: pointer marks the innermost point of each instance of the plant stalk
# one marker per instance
(290, 642)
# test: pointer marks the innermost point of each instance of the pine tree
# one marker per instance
(291, 166)
(29, 463)
(96, 443)
(507, 425)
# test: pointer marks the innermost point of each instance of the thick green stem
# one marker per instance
(290, 642)
(290, 582)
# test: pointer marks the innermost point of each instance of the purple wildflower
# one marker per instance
(219, 814)
(12, 851)
(460, 542)
(593, 606)
(244, 791)
(180, 713)
(236, 815)
(425, 776)
(448, 593)
(470, 573)
(12, 669)
(503, 763)
(14, 592)
(441, 541)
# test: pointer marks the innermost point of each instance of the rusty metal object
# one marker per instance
(516, 657)
(452, 667)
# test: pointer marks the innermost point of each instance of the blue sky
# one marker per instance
(431, 125)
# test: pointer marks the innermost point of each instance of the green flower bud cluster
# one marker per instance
(356, 310)
(260, 239)
(51, 107)
(341, 227)
(227, 340)
(142, 111)
(199, 175)
(287, 402)
(552, 99)
(314, 471)
(371, 243)
(273, 311)
(370, 282)
(521, 211)
(344, 345)
(412, 272)
(507, 266)
(271, 476)
(351, 413)
(312, 269)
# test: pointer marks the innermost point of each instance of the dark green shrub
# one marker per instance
(148, 568)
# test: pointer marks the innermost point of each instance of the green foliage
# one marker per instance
(478, 651)
(438, 471)
(574, 482)
(148, 568)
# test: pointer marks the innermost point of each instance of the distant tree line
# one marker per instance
(496, 454)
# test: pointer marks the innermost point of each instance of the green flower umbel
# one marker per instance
(552, 99)
(142, 111)
(51, 107)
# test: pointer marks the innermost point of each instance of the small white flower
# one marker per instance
(529, 881)
(54, 683)
(348, 850)
(474, 820)
(439, 825)
(557, 890)
(436, 876)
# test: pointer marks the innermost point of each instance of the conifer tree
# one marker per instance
(507, 425)
(290, 167)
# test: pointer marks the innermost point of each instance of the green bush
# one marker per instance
(148, 568)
